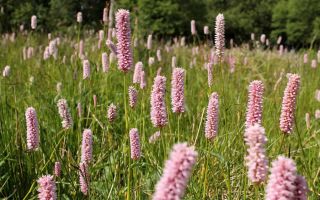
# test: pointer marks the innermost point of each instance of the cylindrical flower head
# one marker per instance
(112, 112)
(124, 40)
(34, 22)
(112, 47)
(289, 103)
(84, 177)
(177, 90)
(143, 82)
(176, 173)
(32, 129)
(183, 41)
(305, 58)
(206, 30)
(256, 159)
(301, 192)
(105, 62)
(153, 138)
(211, 128)
(64, 114)
(209, 69)
(105, 16)
(255, 103)
(133, 96)
(317, 114)
(173, 62)
(219, 36)
(158, 105)
(317, 95)
(134, 144)
(79, 17)
(193, 27)
(151, 61)
(137, 72)
(47, 188)
(281, 183)
(314, 63)
(101, 35)
(159, 55)
(86, 147)
(6, 71)
(263, 38)
(149, 42)
(86, 69)
(279, 40)
(252, 36)
(57, 169)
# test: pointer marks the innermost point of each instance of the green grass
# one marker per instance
(219, 173)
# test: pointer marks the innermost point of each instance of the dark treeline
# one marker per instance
(297, 21)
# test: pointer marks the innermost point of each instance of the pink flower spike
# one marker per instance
(255, 103)
(86, 147)
(153, 138)
(32, 129)
(65, 114)
(211, 127)
(105, 62)
(47, 188)
(57, 169)
(158, 105)
(86, 69)
(135, 144)
(112, 112)
(177, 90)
(289, 103)
(133, 96)
(84, 177)
(124, 40)
(137, 71)
(176, 172)
(142, 80)
(219, 36)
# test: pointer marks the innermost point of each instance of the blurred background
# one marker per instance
(297, 21)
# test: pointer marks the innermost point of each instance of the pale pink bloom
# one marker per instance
(149, 42)
(94, 100)
(154, 137)
(252, 36)
(46, 53)
(135, 42)
(79, 17)
(267, 42)
(101, 35)
(59, 87)
(173, 62)
(105, 62)
(158, 104)
(206, 30)
(210, 72)
(219, 36)
(143, 82)
(6, 71)
(124, 40)
(255, 103)
(308, 121)
(135, 144)
(112, 57)
(263, 38)
(183, 41)
(64, 114)
(159, 71)
(301, 192)
(21, 28)
(30, 52)
(151, 61)
(305, 58)
(133, 96)
(47, 188)
(159, 55)
(193, 27)
(111, 46)
(86, 147)
(34, 22)
(211, 127)
(176, 173)
(86, 69)
(281, 184)
(84, 177)
(314, 63)
(177, 90)
(317, 114)
(317, 96)
(289, 103)
(112, 112)
(279, 40)
(105, 16)
(137, 72)
(57, 169)
(32, 129)
(256, 159)
(79, 109)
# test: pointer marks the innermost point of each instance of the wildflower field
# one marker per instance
(111, 115)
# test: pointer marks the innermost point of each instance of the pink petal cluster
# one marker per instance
(211, 127)
(256, 159)
(193, 27)
(305, 58)
(47, 188)
(84, 177)
(177, 90)
(57, 169)
(124, 40)
(159, 57)
(64, 114)
(6, 71)
(105, 62)
(219, 35)
(79, 17)
(154, 137)
(32, 129)
(86, 147)
(209, 69)
(176, 173)
(158, 103)
(112, 112)
(34, 22)
(284, 182)
(289, 103)
(86, 69)
(143, 82)
(112, 47)
(135, 144)
(137, 71)
(255, 103)
(149, 42)
(133, 96)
